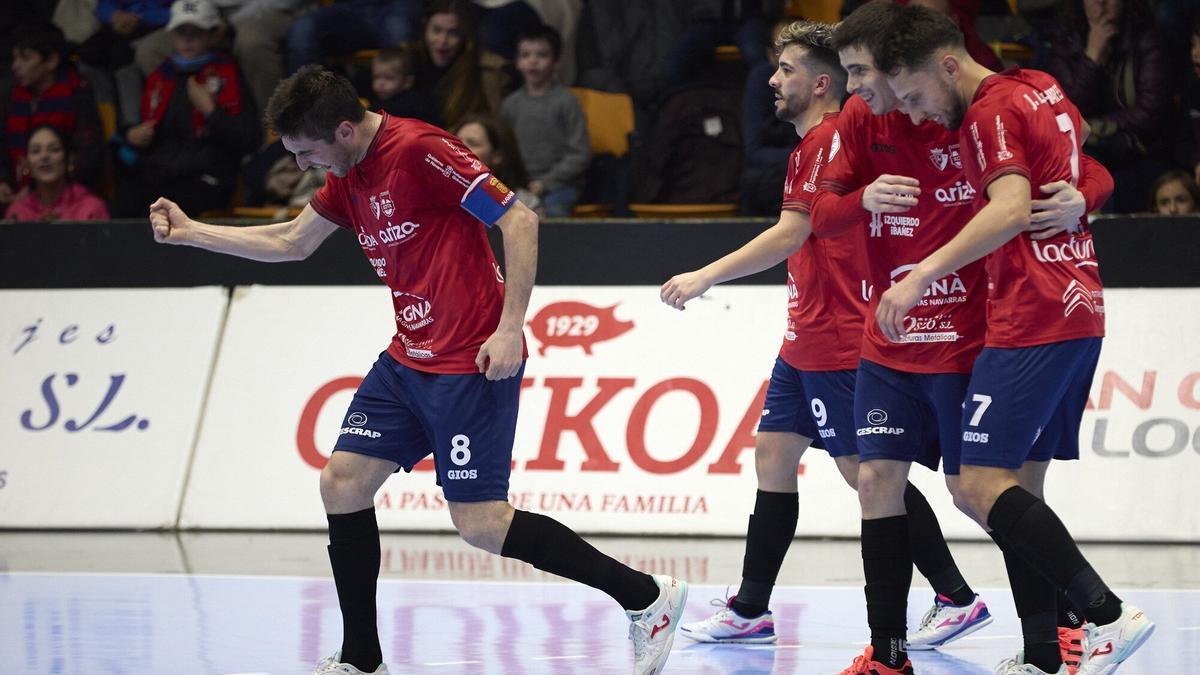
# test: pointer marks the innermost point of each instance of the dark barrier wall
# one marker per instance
(1133, 251)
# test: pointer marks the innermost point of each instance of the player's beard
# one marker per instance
(957, 109)
(792, 109)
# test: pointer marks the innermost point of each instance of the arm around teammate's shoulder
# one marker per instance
(295, 239)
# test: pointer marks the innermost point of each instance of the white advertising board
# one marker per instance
(100, 396)
(636, 418)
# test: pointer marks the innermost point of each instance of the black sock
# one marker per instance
(1036, 601)
(553, 547)
(768, 536)
(930, 553)
(1068, 616)
(354, 557)
(1031, 529)
(887, 566)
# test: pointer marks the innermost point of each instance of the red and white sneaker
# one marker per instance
(865, 664)
(946, 622)
(653, 629)
(1070, 643)
(1107, 647)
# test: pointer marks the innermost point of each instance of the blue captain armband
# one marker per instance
(488, 199)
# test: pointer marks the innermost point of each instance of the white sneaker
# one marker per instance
(1017, 666)
(946, 622)
(1107, 647)
(330, 665)
(653, 629)
(729, 626)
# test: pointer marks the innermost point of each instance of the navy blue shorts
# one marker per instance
(817, 404)
(466, 421)
(1025, 404)
(909, 417)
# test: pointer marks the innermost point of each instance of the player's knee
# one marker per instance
(482, 528)
(340, 485)
(975, 493)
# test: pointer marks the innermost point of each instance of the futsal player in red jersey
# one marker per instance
(810, 399)
(1029, 386)
(811, 392)
(904, 184)
(449, 382)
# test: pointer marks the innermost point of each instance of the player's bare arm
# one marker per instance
(891, 194)
(500, 355)
(768, 249)
(1005, 216)
(295, 239)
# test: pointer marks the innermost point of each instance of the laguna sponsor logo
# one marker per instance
(947, 290)
(959, 193)
(878, 420)
(357, 422)
(1081, 252)
(412, 311)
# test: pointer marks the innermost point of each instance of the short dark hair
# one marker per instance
(403, 55)
(917, 35)
(866, 27)
(817, 41)
(312, 103)
(44, 38)
(544, 33)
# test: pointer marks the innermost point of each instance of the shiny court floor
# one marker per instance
(255, 603)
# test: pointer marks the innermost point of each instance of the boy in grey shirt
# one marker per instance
(550, 127)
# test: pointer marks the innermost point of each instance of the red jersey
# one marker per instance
(825, 311)
(1040, 291)
(946, 329)
(403, 201)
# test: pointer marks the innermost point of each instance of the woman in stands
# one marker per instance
(53, 195)
(453, 68)
(494, 143)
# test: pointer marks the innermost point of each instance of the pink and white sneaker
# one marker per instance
(729, 626)
(946, 622)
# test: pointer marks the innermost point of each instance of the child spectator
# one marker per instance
(550, 127)
(48, 91)
(393, 72)
(198, 121)
(1175, 193)
(53, 195)
(492, 141)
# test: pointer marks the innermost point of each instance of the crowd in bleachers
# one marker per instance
(585, 107)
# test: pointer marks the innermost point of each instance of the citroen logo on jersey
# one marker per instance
(876, 225)
(1076, 296)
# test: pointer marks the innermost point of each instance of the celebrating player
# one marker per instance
(810, 399)
(449, 382)
(1029, 386)
(905, 183)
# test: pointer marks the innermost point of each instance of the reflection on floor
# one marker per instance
(183, 624)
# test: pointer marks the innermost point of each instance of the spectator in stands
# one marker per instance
(710, 23)
(347, 26)
(121, 23)
(491, 140)
(1114, 67)
(452, 68)
(393, 73)
(1175, 193)
(198, 121)
(502, 21)
(47, 90)
(766, 140)
(53, 195)
(550, 127)
(260, 29)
